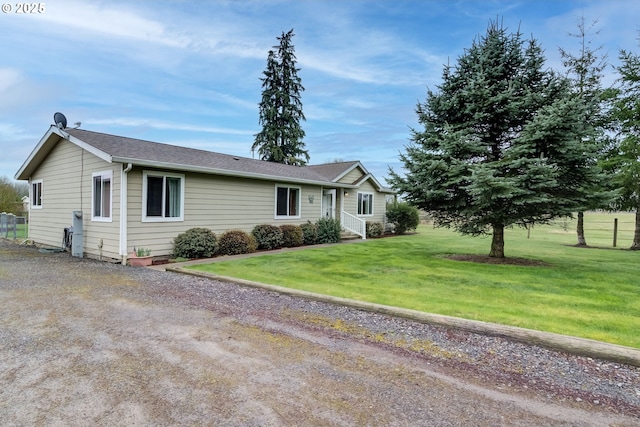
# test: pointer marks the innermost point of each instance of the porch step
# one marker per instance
(346, 235)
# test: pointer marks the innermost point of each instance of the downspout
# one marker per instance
(124, 212)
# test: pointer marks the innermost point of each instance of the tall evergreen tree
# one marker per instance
(624, 157)
(586, 70)
(281, 137)
(500, 144)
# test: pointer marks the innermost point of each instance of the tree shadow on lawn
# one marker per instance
(486, 259)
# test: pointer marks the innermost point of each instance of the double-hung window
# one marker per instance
(365, 203)
(287, 202)
(36, 194)
(101, 196)
(163, 196)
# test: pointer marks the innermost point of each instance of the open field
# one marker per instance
(599, 229)
(591, 293)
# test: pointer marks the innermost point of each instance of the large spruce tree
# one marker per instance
(623, 159)
(281, 137)
(500, 144)
(585, 70)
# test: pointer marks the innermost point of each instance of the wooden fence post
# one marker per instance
(615, 232)
(4, 227)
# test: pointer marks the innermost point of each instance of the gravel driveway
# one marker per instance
(84, 342)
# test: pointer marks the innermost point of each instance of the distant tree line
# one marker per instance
(11, 194)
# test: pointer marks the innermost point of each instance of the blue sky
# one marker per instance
(187, 72)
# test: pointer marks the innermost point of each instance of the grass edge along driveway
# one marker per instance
(588, 293)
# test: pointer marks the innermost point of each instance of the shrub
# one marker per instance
(374, 229)
(328, 230)
(235, 242)
(403, 216)
(195, 243)
(291, 235)
(309, 233)
(267, 236)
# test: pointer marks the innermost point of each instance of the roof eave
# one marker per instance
(349, 169)
(377, 184)
(24, 172)
(224, 172)
(33, 161)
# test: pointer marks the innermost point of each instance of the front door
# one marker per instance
(329, 203)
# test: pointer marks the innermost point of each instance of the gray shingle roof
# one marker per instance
(332, 171)
(136, 151)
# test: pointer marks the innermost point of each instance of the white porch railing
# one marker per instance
(353, 224)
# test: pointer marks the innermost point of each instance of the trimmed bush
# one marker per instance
(195, 243)
(268, 236)
(309, 233)
(328, 230)
(374, 229)
(291, 235)
(236, 242)
(403, 216)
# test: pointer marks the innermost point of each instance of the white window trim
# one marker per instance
(358, 203)
(275, 205)
(144, 197)
(102, 174)
(32, 196)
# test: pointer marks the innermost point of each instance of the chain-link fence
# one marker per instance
(12, 226)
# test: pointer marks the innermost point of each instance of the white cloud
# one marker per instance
(9, 77)
(137, 22)
(335, 66)
(110, 20)
(18, 92)
(349, 50)
(233, 100)
(8, 130)
(163, 125)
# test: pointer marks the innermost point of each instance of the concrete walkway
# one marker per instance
(573, 345)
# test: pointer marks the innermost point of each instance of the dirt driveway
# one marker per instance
(89, 343)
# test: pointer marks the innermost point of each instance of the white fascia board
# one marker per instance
(62, 134)
(35, 151)
(379, 187)
(352, 167)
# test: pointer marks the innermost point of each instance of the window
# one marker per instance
(287, 202)
(36, 194)
(101, 196)
(163, 196)
(365, 203)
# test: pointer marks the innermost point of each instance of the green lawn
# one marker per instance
(21, 232)
(591, 293)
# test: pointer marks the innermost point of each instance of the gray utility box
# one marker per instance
(77, 239)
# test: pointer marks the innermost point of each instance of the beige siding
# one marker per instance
(379, 202)
(98, 233)
(215, 202)
(66, 176)
(352, 176)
